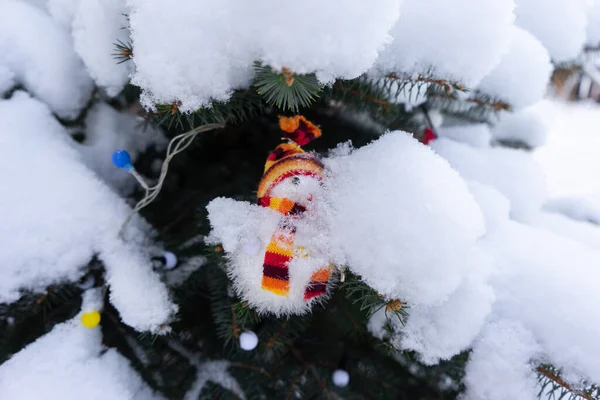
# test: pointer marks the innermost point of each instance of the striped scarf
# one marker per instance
(280, 252)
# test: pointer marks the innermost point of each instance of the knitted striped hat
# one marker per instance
(288, 159)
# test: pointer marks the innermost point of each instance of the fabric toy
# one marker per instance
(273, 262)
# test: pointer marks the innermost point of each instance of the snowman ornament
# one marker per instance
(276, 260)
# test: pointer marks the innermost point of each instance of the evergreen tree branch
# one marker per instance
(273, 340)
(312, 369)
(551, 375)
(260, 370)
(286, 90)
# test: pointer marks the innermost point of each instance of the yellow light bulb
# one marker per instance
(90, 319)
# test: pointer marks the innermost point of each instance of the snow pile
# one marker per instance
(108, 130)
(202, 50)
(70, 362)
(528, 126)
(39, 55)
(476, 135)
(585, 209)
(593, 23)
(512, 172)
(7, 79)
(499, 366)
(398, 193)
(562, 225)
(570, 156)
(63, 216)
(559, 24)
(97, 26)
(523, 73)
(506, 308)
(530, 290)
(460, 40)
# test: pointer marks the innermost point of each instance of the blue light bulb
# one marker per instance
(122, 159)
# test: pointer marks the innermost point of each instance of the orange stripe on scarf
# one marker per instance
(280, 251)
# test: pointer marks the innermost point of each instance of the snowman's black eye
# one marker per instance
(296, 180)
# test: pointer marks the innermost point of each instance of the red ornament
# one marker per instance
(428, 136)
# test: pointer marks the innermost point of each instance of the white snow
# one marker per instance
(528, 125)
(441, 331)
(70, 362)
(562, 225)
(97, 26)
(202, 50)
(476, 135)
(512, 172)
(402, 198)
(538, 288)
(59, 215)
(460, 40)
(494, 205)
(7, 79)
(499, 367)
(41, 57)
(523, 74)
(559, 24)
(585, 209)
(593, 23)
(109, 130)
(570, 156)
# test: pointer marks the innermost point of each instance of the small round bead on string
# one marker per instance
(90, 319)
(340, 378)
(248, 340)
(122, 159)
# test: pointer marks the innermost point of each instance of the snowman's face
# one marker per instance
(299, 189)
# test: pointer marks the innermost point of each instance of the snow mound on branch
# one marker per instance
(109, 130)
(389, 203)
(70, 362)
(527, 126)
(476, 135)
(7, 79)
(593, 25)
(40, 55)
(559, 24)
(440, 331)
(523, 74)
(530, 290)
(499, 366)
(561, 225)
(63, 216)
(97, 26)
(494, 205)
(578, 208)
(202, 50)
(460, 40)
(512, 172)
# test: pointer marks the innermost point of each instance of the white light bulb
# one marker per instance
(248, 340)
(341, 378)
(170, 260)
